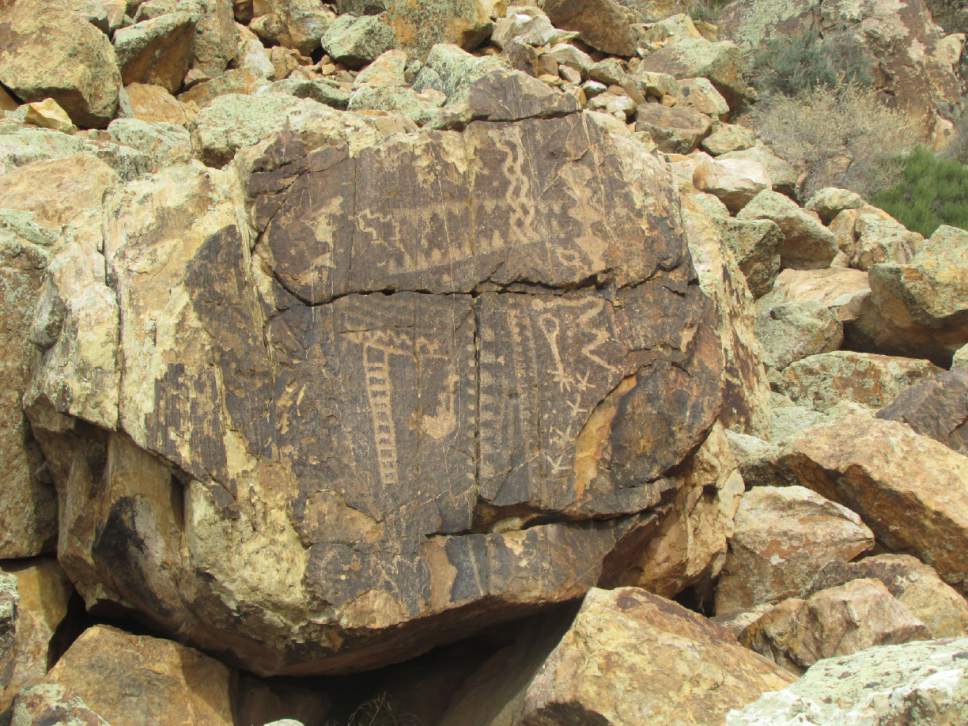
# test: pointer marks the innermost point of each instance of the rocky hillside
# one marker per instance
(473, 363)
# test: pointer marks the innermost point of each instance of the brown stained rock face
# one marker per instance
(629, 657)
(602, 24)
(130, 679)
(937, 407)
(444, 377)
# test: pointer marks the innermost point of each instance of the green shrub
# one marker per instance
(796, 64)
(932, 191)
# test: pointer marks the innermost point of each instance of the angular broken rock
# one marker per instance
(419, 26)
(839, 621)
(296, 24)
(734, 181)
(125, 678)
(354, 42)
(908, 489)
(840, 290)
(157, 51)
(602, 24)
(40, 592)
(823, 380)
(915, 585)
(47, 51)
(674, 130)
(755, 243)
(441, 380)
(791, 331)
(629, 657)
(936, 407)
(919, 682)
(723, 63)
(783, 537)
(807, 244)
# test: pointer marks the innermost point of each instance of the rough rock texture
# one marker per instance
(919, 308)
(48, 703)
(674, 130)
(756, 245)
(734, 181)
(41, 596)
(783, 537)
(421, 25)
(602, 24)
(629, 657)
(500, 388)
(689, 546)
(937, 407)
(157, 51)
(824, 380)
(746, 388)
(791, 331)
(837, 621)
(722, 63)
(27, 505)
(129, 679)
(355, 42)
(913, 583)
(868, 236)
(831, 201)
(913, 683)
(840, 290)
(807, 244)
(783, 175)
(296, 24)
(154, 103)
(907, 488)
(49, 115)
(47, 51)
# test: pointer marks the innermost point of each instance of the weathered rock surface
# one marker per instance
(355, 42)
(937, 407)
(157, 51)
(629, 657)
(420, 26)
(920, 682)
(722, 63)
(784, 536)
(39, 591)
(908, 489)
(600, 23)
(129, 679)
(412, 293)
(675, 130)
(842, 291)
(868, 235)
(296, 24)
(791, 331)
(756, 245)
(838, 621)
(825, 379)
(47, 51)
(734, 181)
(831, 201)
(807, 244)
(783, 175)
(919, 308)
(915, 585)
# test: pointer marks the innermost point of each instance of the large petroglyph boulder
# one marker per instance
(376, 392)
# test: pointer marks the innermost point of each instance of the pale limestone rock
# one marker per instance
(700, 94)
(838, 621)
(913, 683)
(674, 130)
(49, 115)
(784, 536)
(734, 181)
(629, 657)
(155, 104)
(831, 201)
(841, 291)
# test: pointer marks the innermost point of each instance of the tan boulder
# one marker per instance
(913, 583)
(689, 545)
(136, 679)
(838, 621)
(823, 380)
(919, 307)
(791, 331)
(784, 176)
(157, 51)
(7, 102)
(909, 489)
(47, 51)
(629, 657)
(729, 137)
(106, 15)
(155, 103)
(40, 591)
(602, 24)
(840, 290)
(756, 245)
(297, 24)
(722, 63)
(675, 130)
(784, 536)
(936, 407)
(701, 95)
(807, 244)
(28, 507)
(734, 181)
(868, 235)
(829, 202)
(420, 26)
(49, 115)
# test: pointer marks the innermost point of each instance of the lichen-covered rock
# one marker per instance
(756, 245)
(831, 201)
(734, 181)
(39, 592)
(420, 26)
(936, 407)
(126, 679)
(920, 307)
(838, 621)
(629, 657)
(602, 24)
(913, 583)
(164, 143)
(488, 423)
(807, 244)
(784, 176)
(674, 130)
(47, 703)
(912, 683)
(783, 537)
(355, 42)
(157, 51)
(729, 137)
(47, 51)
(791, 331)
(723, 63)
(297, 24)
(825, 379)
(908, 489)
(700, 94)
(868, 235)
(840, 290)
